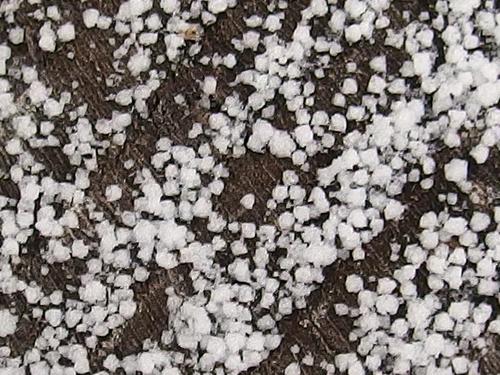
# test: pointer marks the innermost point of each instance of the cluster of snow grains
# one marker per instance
(399, 329)
(124, 199)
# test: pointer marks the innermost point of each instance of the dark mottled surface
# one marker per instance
(315, 329)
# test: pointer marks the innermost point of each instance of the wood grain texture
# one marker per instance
(315, 329)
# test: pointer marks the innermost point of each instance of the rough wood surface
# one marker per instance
(313, 328)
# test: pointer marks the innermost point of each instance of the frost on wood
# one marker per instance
(115, 215)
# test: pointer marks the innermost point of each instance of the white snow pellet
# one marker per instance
(202, 207)
(53, 12)
(387, 304)
(139, 62)
(480, 153)
(353, 33)
(292, 369)
(209, 85)
(319, 7)
(460, 365)
(54, 317)
(422, 63)
(90, 17)
(170, 6)
(272, 23)
(379, 64)
(52, 108)
(47, 41)
(456, 170)
(443, 322)
(104, 22)
(229, 61)
(24, 126)
(127, 309)
(262, 132)
(339, 123)
(434, 344)
(464, 6)
(37, 92)
(248, 201)
(113, 193)
(376, 85)
(16, 35)
(393, 210)
(281, 144)
(66, 32)
(354, 283)
(349, 86)
(479, 221)
(455, 226)
(79, 249)
(355, 8)
(303, 135)
(320, 255)
(9, 323)
(217, 6)
(459, 310)
(93, 292)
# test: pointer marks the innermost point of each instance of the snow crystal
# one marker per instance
(320, 255)
(66, 32)
(47, 41)
(354, 283)
(127, 309)
(353, 33)
(209, 85)
(422, 63)
(9, 323)
(16, 35)
(479, 221)
(217, 6)
(139, 62)
(393, 210)
(248, 201)
(281, 144)
(292, 369)
(113, 193)
(464, 6)
(456, 170)
(480, 153)
(93, 292)
(455, 226)
(90, 17)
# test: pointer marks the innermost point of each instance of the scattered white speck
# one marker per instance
(292, 369)
(248, 201)
(139, 62)
(66, 32)
(209, 85)
(90, 17)
(47, 41)
(93, 292)
(479, 221)
(217, 6)
(422, 63)
(281, 144)
(456, 170)
(455, 226)
(9, 323)
(113, 193)
(353, 284)
(16, 35)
